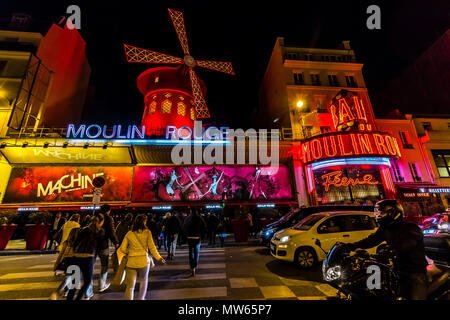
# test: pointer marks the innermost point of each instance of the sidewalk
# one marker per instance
(17, 247)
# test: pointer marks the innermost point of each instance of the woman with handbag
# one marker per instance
(136, 245)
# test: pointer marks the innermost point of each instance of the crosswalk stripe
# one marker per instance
(29, 286)
(187, 277)
(187, 293)
(25, 275)
(326, 289)
(312, 298)
(187, 267)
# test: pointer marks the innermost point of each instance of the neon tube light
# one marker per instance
(348, 162)
(152, 141)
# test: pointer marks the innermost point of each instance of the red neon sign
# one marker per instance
(335, 179)
(349, 144)
(348, 112)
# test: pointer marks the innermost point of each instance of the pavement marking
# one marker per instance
(29, 286)
(24, 275)
(298, 283)
(186, 293)
(327, 289)
(187, 277)
(243, 282)
(271, 292)
(312, 298)
(14, 258)
(187, 267)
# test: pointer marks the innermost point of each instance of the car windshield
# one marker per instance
(308, 222)
(287, 216)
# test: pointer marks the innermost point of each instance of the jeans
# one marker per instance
(86, 266)
(171, 244)
(104, 260)
(131, 275)
(194, 252)
(413, 286)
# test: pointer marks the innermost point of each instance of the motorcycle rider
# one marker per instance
(406, 240)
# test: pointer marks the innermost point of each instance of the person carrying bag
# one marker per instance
(134, 258)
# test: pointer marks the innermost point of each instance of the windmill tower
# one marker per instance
(172, 95)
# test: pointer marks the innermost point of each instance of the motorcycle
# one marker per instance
(351, 275)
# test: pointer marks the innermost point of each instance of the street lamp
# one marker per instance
(3, 94)
(299, 103)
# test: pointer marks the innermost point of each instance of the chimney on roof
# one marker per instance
(346, 44)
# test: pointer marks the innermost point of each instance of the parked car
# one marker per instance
(296, 215)
(297, 244)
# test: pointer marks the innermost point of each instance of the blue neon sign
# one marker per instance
(94, 131)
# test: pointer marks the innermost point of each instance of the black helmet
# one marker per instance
(388, 211)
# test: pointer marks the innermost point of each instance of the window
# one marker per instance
(404, 137)
(427, 126)
(325, 129)
(334, 225)
(152, 107)
(166, 106)
(362, 222)
(332, 79)
(298, 78)
(181, 109)
(350, 81)
(414, 172)
(192, 114)
(315, 79)
(308, 222)
(397, 173)
(442, 161)
(292, 56)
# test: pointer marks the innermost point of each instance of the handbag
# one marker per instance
(120, 274)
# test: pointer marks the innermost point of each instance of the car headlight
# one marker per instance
(268, 232)
(284, 239)
(443, 226)
(333, 273)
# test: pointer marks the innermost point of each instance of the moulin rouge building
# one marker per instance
(331, 150)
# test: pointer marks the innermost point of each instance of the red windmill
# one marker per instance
(172, 93)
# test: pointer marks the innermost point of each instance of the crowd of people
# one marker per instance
(136, 238)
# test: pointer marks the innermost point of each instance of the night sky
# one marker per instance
(242, 32)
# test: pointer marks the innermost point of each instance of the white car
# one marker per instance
(297, 244)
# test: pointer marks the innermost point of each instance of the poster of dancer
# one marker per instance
(198, 183)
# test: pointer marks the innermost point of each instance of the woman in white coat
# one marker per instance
(136, 244)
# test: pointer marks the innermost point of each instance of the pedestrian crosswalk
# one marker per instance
(172, 280)
(217, 277)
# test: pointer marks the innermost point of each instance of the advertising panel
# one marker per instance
(190, 183)
(74, 155)
(67, 184)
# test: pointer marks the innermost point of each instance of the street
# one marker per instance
(234, 272)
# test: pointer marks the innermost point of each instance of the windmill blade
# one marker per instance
(200, 104)
(225, 67)
(178, 23)
(135, 54)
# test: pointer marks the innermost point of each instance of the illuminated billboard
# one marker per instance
(190, 183)
(91, 155)
(67, 184)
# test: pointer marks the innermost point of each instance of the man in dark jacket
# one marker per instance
(212, 226)
(194, 227)
(406, 241)
(172, 230)
(103, 245)
(55, 227)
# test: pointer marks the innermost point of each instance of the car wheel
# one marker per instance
(305, 258)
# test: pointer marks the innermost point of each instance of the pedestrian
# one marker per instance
(103, 246)
(221, 232)
(180, 218)
(212, 226)
(136, 245)
(164, 228)
(153, 227)
(74, 222)
(172, 230)
(56, 225)
(124, 226)
(194, 228)
(84, 250)
(159, 225)
(85, 220)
